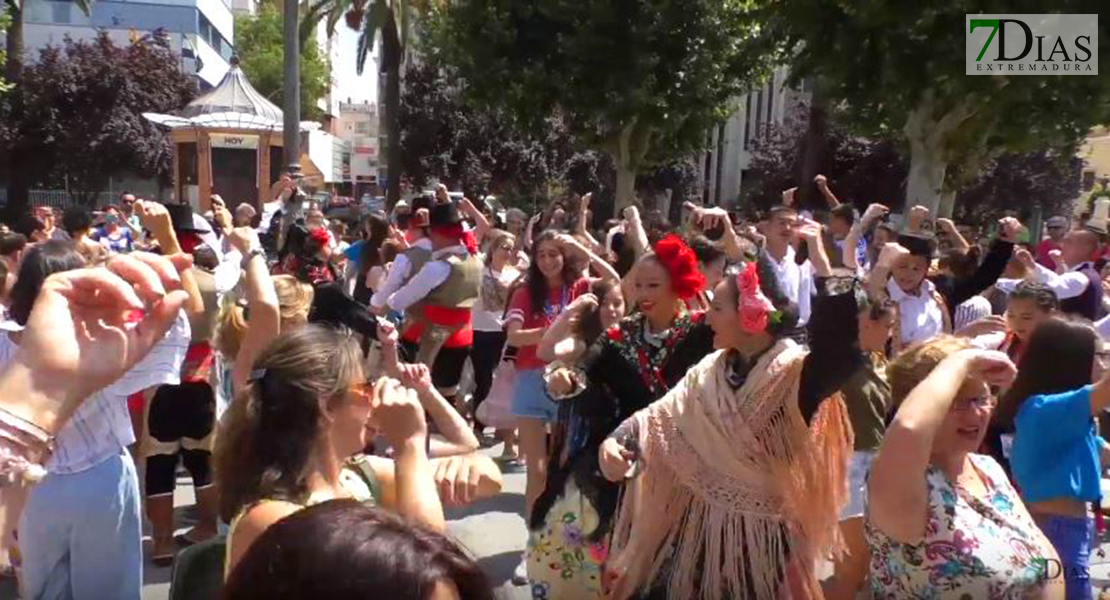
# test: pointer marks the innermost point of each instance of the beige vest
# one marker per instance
(417, 257)
(460, 290)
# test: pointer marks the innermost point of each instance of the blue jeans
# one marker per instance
(1071, 536)
(80, 535)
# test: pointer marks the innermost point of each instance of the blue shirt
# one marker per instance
(1056, 448)
(354, 254)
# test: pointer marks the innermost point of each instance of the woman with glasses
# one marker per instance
(1055, 457)
(941, 520)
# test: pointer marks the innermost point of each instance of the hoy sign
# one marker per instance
(227, 140)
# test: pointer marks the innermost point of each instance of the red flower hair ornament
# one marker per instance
(756, 310)
(681, 265)
(320, 236)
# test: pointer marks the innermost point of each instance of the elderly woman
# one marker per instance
(943, 521)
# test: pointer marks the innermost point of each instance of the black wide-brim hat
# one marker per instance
(444, 215)
(918, 244)
(181, 216)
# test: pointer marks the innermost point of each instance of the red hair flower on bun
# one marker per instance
(320, 236)
(756, 310)
(681, 264)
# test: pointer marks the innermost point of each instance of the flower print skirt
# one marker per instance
(562, 561)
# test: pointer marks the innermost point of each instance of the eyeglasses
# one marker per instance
(980, 403)
(364, 390)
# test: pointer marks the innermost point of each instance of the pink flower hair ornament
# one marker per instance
(756, 310)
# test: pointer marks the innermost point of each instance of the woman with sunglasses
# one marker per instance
(1055, 457)
(306, 411)
(941, 520)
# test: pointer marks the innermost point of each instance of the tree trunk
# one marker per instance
(391, 56)
(19, 184)
(927, 167)
(628, 149)
(813, 152)
(927, 134)
(947, 204)
(626, 185)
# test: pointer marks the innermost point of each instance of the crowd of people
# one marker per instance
(792, 404)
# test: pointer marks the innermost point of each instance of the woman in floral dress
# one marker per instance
(942, 521)
(630, 366)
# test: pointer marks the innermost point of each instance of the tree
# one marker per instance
(258, 41)
(76, 116)
(18, 184)
(861, 170)
(392, 19)
(899, 69)
(1017, 183)
(639, 80)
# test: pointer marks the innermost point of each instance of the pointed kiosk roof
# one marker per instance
(233, 104)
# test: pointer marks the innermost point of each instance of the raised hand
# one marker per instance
(821, 181)
(244, 239)
(989, 366)
(890, 253)
(788, 196)
(397, 413)
(874, 212)
(1009, 229)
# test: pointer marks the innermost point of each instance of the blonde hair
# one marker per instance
(914, 364)
(294, 301)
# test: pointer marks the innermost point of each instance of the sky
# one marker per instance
(357, 88)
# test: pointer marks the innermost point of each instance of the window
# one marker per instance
(747, 121)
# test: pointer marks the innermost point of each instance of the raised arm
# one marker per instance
(156, 219)
(876, 282)
(897, 495)
(870, 217)
(264, 323)
(823, 185)
(458, 437)
(992, 266)
(948, 229)
(600, 265)
(558, 342)
(634, 231)
(399, 414)
(481, 223)
(582, 231)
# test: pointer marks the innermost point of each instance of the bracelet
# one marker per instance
(577, 375)
(250, 255)
(24, 446)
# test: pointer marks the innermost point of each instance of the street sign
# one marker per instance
(238, 141)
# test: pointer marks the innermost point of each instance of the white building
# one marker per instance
(358, 125)
(201, 31)
(721, 168)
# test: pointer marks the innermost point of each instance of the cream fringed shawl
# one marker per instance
(737, 491)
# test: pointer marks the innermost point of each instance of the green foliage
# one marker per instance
(77, 112)
(885, 59)
(5, 22)
(259, 44)
(1016, 183)
(641, 80)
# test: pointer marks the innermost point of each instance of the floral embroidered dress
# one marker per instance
(627, 369)
(973, 548)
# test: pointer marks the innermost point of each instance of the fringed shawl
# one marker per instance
(737, 491)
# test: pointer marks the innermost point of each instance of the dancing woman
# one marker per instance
(743, 463)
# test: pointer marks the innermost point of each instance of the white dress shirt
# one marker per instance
(101, 427)
(398, 273)
(1069, 285)
(431, 276)
(922, 318)
(795, 281)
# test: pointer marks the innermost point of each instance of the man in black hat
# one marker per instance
(438, 299)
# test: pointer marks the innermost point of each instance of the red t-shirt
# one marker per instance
(520, 309)
(1043, 249)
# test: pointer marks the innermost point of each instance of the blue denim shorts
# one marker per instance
(530, 399)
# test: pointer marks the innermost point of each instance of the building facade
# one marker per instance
(200, 31)
(722, 166)
(358, 125)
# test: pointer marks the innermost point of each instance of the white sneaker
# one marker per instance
(520, 573)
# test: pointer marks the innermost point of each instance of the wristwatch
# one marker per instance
(835, 286)
(251, 254)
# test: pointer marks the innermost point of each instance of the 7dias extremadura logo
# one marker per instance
(1031, 44)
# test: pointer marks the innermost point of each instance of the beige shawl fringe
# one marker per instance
(738, 497)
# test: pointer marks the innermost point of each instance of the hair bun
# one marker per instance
(681, 264)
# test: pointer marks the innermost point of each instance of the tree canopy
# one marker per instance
(640, 80)
(76, 114)
(899, 70)
(258, 42)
